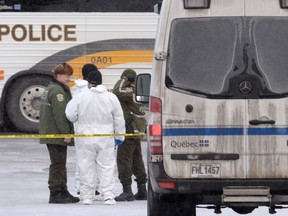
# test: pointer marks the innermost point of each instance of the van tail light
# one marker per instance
(166, 185)
(155, 126)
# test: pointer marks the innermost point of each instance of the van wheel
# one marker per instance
(243, 210)
(23, 102)
(168, 205)
(157, 206)
(153, 203)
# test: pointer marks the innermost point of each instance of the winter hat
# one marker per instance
(63, 68)
(95, 77)
(130, 74)
(86, 69)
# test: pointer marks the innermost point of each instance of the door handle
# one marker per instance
(258, 122)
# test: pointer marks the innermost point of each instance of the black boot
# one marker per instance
(142, 192)
(57, 197)
(127, 194)
(65, 193)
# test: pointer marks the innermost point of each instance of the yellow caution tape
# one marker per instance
(55, 136)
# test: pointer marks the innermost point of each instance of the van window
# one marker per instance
(200, 53)
(271, 39)
(210, 57)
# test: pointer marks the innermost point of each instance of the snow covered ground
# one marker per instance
(24, 192)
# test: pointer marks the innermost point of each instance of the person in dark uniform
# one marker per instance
(129, 154)
(53, 121)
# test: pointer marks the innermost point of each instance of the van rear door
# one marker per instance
(267, 116)
(203, 126)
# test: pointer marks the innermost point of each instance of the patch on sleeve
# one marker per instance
(60, 97)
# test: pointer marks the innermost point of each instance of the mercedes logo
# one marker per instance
(245, 87)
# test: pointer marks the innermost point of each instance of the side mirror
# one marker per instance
(142, 88)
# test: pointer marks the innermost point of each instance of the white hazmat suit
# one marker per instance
(96, 111)
(80, 85)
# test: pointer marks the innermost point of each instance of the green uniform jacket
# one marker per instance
(134, 116)
(52, 113)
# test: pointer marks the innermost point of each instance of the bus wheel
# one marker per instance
(23, 102)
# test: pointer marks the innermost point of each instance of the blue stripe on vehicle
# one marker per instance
(223, 131)
(202, 131)
(267, 131)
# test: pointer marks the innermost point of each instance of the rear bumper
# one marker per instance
(210, 191)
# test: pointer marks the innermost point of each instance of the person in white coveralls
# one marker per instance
(97, 111)
(80, 85)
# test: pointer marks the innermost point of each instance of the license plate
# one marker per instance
(205, 170)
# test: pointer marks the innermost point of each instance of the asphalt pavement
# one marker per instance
(24, 189)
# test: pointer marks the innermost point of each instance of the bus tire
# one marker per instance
(23, 102)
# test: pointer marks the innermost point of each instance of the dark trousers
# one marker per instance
(57, 170)
(130, 161)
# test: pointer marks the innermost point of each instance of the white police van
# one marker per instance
(218, 107)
